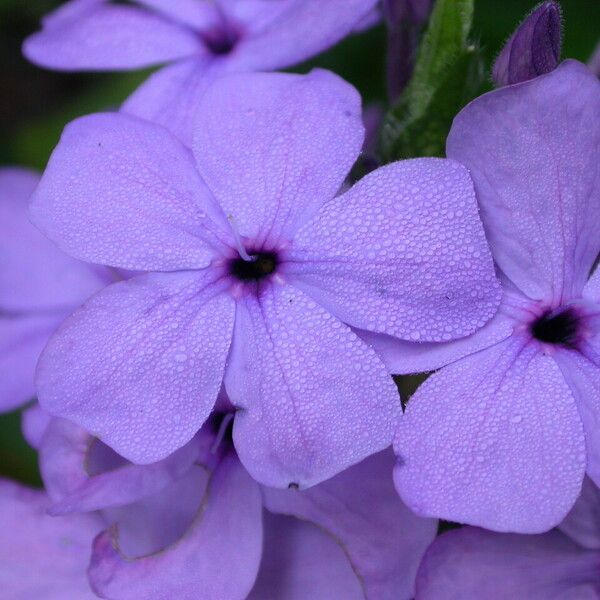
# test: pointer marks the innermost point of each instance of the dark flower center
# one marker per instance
(221, 42)
(261, 266)
(556, 328)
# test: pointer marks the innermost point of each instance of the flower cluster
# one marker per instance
(214, 309)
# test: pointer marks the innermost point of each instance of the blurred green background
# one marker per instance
(35, 105)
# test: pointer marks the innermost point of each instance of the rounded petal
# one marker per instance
(99, 36)
(533, 151)
(471, 564)
(301, 561)
(141, 363)
(22, 339)
(301, 135)
(34, 422)
(42, 556)
(66, 452)
(219, 554)
(170, 96)
(125, 192)
(402, 253)
(493, 440)
(359, 508)
(34, 274)
(303, 425)
(198, 15)
(302, 29)
(582, 524)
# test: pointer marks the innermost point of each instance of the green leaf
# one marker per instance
(448, 73)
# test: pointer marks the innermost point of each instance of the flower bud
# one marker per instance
(533, 49)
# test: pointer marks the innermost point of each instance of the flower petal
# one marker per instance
(125, 192)
(402, 357)
(301, 561)
(65, 454)
(34, 422)
(582, 373)
(141, 363)
(198, 15)
(42, 556)
(21, 341)
(170, 96)
(403, 253)
(471, 564)
(493, 440)
(34, 274)
(582, 524)
(300, 135)
(218, 555)
(98, 36)
(303, 425)
(303, 29)
(360, 508)
(533, 151)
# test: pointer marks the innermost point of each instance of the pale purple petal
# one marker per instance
(300, 136)
(21, 341)
(66, 454)
(301, 561)
(34, 274)
(305, 28)
(594, 62)
(402, 357)
(170, 96)
(219, 554)
(473, 564)
(359, 508)
(125, 192)
(42, 557)
(592, 287)
(533, 151)
(582, 524)
(100, 36)
(69, 11)
(141, 363)
(198, 15)
(581, 370)
(403, 253)
(152, 524)
(34, 422)
(302, 425)
(493, 440)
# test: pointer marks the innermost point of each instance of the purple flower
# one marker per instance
(198, 40)
(594, 62)
(196, 521)
(257, 269)
(499, 438)
(471, 563)
(533, 49)
(39, 287)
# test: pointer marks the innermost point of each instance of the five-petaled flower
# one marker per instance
(502, 436)
(258, 271)
(199, 40)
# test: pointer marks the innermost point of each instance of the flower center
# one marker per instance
(261, 266)
(221, 41)
(560, 328)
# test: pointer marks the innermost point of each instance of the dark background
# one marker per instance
(36, 104)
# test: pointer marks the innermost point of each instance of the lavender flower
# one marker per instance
(203, 527)
(501, 437)
(39, 287)
(197, 39)
(471, 563)
(533, 49)
(257, 270)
